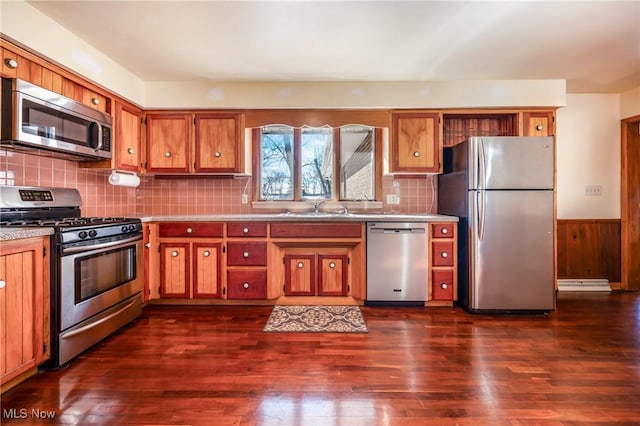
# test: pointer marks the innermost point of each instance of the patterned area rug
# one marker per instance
(316, 319)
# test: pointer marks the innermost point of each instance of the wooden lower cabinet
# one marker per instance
(190, 269)
(247, 284)
(443, 263)
(24, 308)
(315, 274)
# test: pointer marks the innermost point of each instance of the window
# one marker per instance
(298, 164)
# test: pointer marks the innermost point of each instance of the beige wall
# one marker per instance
(588, 153)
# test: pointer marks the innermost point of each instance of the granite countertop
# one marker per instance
(306, 217)
(16, 233)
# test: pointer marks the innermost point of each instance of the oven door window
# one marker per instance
(100, 272)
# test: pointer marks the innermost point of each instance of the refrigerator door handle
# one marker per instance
(481, 166)
(481, 213)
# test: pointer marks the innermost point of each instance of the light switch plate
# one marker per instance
(245, 198)
(393, 199)
(593, 190)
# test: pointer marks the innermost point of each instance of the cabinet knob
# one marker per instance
(189, 230)
(95, 101)
(3, 283)
(416, 154)
(11, 63)
(539, 127)
(332, 265)
(148, 245)
(245, 254)
(443, 286)
(217, 154)
(167, 154)
(245, 230)
(300, 265)
(245, 285)
(444, 254)
(130, 151)
(174, 253)
(444, 231)
(206, 253)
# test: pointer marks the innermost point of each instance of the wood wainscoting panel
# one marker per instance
(589, 248)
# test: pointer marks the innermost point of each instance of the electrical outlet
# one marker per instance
(393, 199)
(593, 190)
(245, 198)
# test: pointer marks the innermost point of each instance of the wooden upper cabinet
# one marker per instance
(415, 143)
(538, 123)
(128, 121)
(168, 143)
(218, 144)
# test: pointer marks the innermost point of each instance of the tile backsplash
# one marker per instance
(166, 196)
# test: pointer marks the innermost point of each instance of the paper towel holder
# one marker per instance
(124, 178)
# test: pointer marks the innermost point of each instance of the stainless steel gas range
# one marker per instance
(96, 266)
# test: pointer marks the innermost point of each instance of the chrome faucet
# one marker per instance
(317, 204)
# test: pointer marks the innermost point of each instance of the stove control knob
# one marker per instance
(82, 234)
(93, 233)
(125, 228)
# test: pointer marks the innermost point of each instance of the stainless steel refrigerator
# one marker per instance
(502, 189)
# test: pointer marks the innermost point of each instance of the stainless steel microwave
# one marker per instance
(34, 118)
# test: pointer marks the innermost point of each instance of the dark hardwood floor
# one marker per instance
(214, 366)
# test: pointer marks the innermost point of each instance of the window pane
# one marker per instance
(276, 159)
(357, 163)
(317, 163)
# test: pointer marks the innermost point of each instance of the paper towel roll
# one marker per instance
(120, 178)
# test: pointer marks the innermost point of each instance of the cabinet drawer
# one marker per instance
(442, 285)
(190, 229)
(246, 229)
(247, 253)
(316, 230)
(442, 230)
(247, 284)
(442, 253)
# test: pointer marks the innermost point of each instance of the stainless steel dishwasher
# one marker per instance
(397, 263)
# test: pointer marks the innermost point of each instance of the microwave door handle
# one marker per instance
(94, 125)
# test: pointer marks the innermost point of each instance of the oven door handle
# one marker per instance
(113, 244)
(100, 321)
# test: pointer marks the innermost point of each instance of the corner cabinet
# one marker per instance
(203, 143)
(24, 308)
(415, 143)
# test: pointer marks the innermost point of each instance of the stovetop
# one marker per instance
(67, 222)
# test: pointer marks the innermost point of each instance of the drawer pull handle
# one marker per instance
(444, 231)
(444, 286)
(416, 154)
(95, 101)
(300, 265)
(444, 254)
(245, 254)
(189, 230)
(539, 127)
(206, 253)
(3, 283)
(332, 265)
(245, 285)
(174, 253)
(217, 154)
(245, 230)
(167, 154)
(11, 63)
(130, 151)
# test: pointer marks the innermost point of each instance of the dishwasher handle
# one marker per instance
(397, 230)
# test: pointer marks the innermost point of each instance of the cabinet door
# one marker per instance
(332, 275)
(218, 143)
(300, 275)
(206, 270)
(168, 142)
(174, 270)
(415, 143)
(21, 308)
(128, 142)
(538, 124)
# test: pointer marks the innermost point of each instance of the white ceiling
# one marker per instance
(594, 45)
